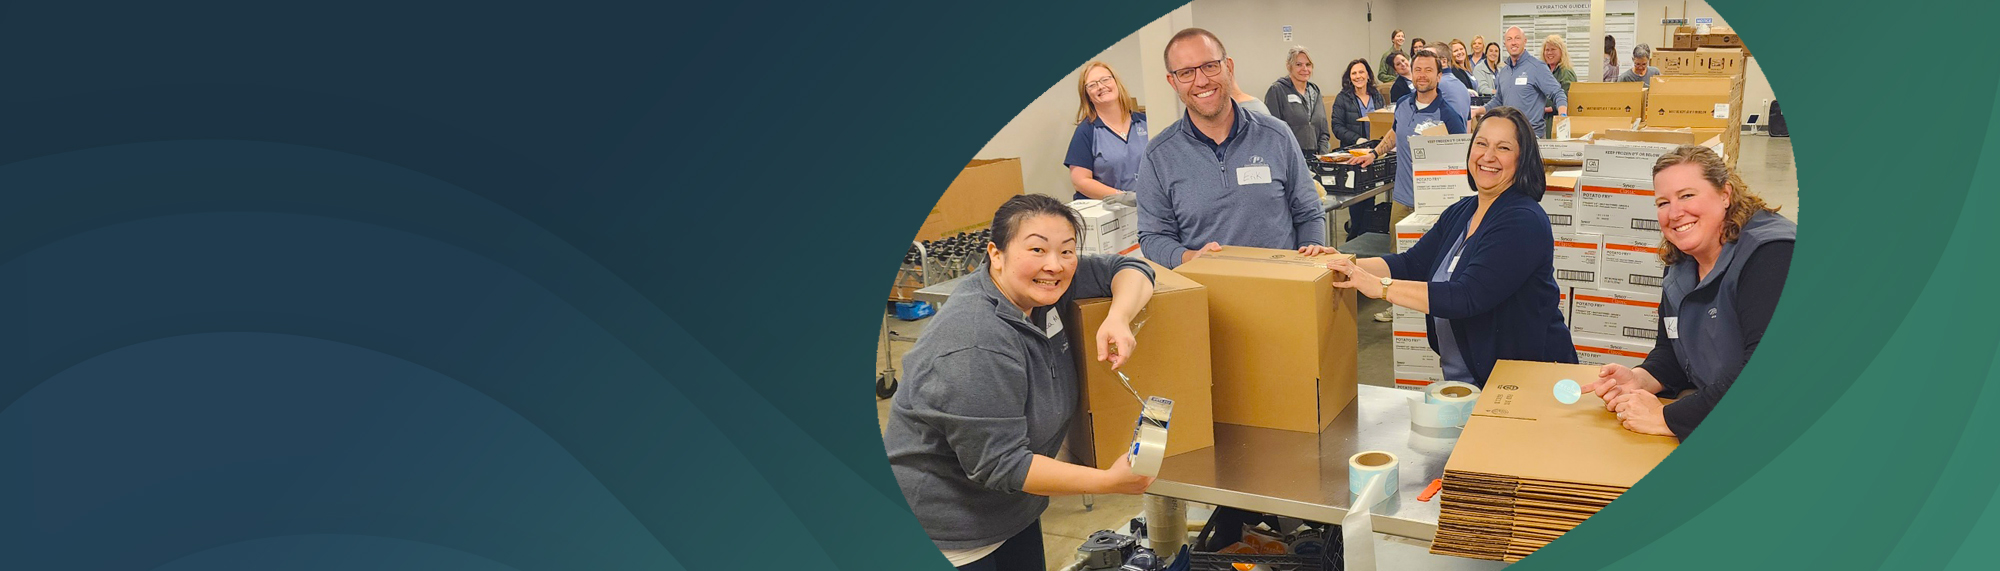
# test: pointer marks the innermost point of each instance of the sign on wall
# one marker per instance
(1571, 20)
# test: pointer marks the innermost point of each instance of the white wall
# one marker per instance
(1040, 134)
(1431, 19)
(1335, 30)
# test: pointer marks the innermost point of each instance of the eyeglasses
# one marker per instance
(1098, 83)
(1186, 74)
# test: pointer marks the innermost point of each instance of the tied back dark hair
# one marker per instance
(1025, 206)
(1529, 180)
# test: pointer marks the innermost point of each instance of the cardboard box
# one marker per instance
(1710, 102)
(1412, 348)
(1173, 363)
(1615, 193)
(1515, 421)
(1581, 126)
(1615, 314)
(1601, 351)
(1685, 41)
(1632, 264)
(1718, 40)
(1559, 200)
(1614, 99)
(1380, 121)
(1577, 258)
(1562, 150)
(1107, 228)
(1412, 229)
(1417, 379)
(1407, 319)
(969, 202)
(1508, 492)
(1282, 338)
(1438, 171)
(1722, 62)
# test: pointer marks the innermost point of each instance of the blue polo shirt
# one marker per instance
(1409, 120)
(1112, 160)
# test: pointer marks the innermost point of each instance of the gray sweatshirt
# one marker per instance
(1193, 191)
(984, 391)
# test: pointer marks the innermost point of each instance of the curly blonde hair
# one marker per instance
(1742, 203)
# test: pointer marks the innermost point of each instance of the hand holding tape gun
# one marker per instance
(989, 394)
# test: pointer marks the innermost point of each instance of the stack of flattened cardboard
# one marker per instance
(1528, 468)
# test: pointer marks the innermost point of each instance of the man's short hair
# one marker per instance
(1642, 51)
(1190, 33)
(1427, 53)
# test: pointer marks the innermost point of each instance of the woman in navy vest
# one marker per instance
(1727, 254)
(1103, 157)
(1485, 274)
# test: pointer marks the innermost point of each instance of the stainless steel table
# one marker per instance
(1304, 475)
(1336, 203)
(938, 293)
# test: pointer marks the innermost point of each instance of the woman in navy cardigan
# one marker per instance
(1485, 274)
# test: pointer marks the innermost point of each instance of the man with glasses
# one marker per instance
(1220, 175)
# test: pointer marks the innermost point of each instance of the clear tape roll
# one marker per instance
(1149, 448)
(1149, 437)
(1166, 524)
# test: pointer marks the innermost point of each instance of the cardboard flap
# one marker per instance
(1518, 429)
(1259, 262)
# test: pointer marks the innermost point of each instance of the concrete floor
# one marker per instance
(1766, 166)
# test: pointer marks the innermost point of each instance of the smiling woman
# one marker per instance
(1727, 255)
(1484, 275)
(992, 385)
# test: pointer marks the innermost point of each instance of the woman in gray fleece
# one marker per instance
(989, 390)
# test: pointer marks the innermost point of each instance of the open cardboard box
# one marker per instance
(1172, 362)
(1282, 337)
(969, 202)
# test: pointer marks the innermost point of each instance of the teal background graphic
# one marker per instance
(594, 285)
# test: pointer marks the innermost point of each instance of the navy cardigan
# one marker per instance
(1502, 301)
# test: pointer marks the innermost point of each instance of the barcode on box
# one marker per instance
(1559, 219)
(1642, 333)
(1644, 280)
(1645, 224)
(1576, 275)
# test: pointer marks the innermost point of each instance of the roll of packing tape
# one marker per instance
(1367, 465)
(1149, 437)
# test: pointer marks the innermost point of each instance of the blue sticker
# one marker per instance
(1567, 391)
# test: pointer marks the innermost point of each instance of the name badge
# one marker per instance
(1054, 326)
(1453, 268)
(1673, 327)
(1521, 80)
(1253, 174)
(1294, 98)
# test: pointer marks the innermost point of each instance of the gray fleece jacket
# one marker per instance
(984, 391)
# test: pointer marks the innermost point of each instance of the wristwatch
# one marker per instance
(1385, 288)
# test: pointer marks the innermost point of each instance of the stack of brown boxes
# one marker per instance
(1529, 468)
(966, 205)
(1707, 105)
